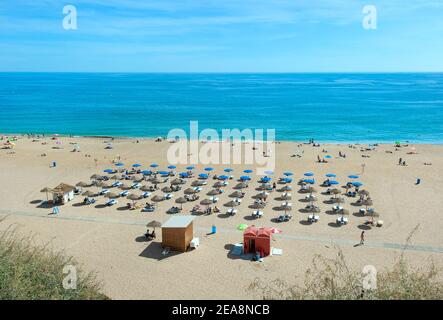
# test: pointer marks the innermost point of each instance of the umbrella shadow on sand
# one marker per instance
(45, 205)
(154, 251)
(36, 201)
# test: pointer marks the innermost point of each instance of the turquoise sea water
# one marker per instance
(327, 107)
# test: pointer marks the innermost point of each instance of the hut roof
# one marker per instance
(63, 188)
(178, 222)
(258, 232)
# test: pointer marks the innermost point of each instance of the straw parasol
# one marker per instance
(197, 183)
(96, 177)
(236, 194)
(155, 181)
(154, 224)
(241, 185)
(190, 191)
(181, 200)
(144, 188)
(258, 206)
(286, 197)
(46, 190)
(167, 189)
(116, 177)
(232, 204)
(82, 184)
(373, 214)
(311, 189)
(367, 203)
(112, 195)
(157, 198)
(219, 184)
(213, 192)
(177, 181)
(89, 193)
(125, 186)
(363, 192)
(133, 197)
(206, 202)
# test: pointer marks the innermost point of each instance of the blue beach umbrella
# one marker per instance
(223, 177)
(203, 175)
(310, 181)
(353, 176)
(183, 174)
(163, 172)
(172, 167)
(154, 165)
(209, 169)
(190, 168)
(245, 178)
(119, 164)
(288, 174)
(248, 171)
(334, 182)
(328, 157)
(331, 175)
(108, 170)
(136, 165)
(357, 184)
(146, 172)
(309, 174)
(228, 170)
(266, 179)
(287, 180)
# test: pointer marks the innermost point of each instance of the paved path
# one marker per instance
(346, 242)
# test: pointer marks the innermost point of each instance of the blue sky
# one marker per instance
(221, 36)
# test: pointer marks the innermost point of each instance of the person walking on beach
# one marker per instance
(400, 161)
(362, 238)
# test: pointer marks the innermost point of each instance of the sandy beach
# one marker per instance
(110, 241)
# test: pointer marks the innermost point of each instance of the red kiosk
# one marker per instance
(257, 240)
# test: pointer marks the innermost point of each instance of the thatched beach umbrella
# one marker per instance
(82, 184)
(177, 181)
(373, 214)
(89, 193)
(190, 191)
(156, 181)
(286, 197)
(241, 185)
(232, 204)
(96, 177)
(363, 192)
(181, 200)
(116, 177)
(112, 195)
(157, 198)
(258, 206)
(311, 189)
(125, 186)
(367, 203)
(213, 192)
(167, 189)
(197, 183)
(154, 224)
(236, 194)
(144, 188)
(133, 197)
(206, 202)
(46, 190)
(218, 184)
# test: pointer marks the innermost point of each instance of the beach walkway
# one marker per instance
(325, 240)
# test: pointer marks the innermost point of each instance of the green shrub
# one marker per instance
(35, 272)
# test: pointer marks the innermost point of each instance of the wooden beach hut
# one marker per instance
(63, 193)
(257, 240)
(178, 232)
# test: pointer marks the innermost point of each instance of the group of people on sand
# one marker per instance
(401, 162)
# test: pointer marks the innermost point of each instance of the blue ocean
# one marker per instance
(326, 107)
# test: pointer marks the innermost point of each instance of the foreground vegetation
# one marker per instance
(35, 272)
(332, 279)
